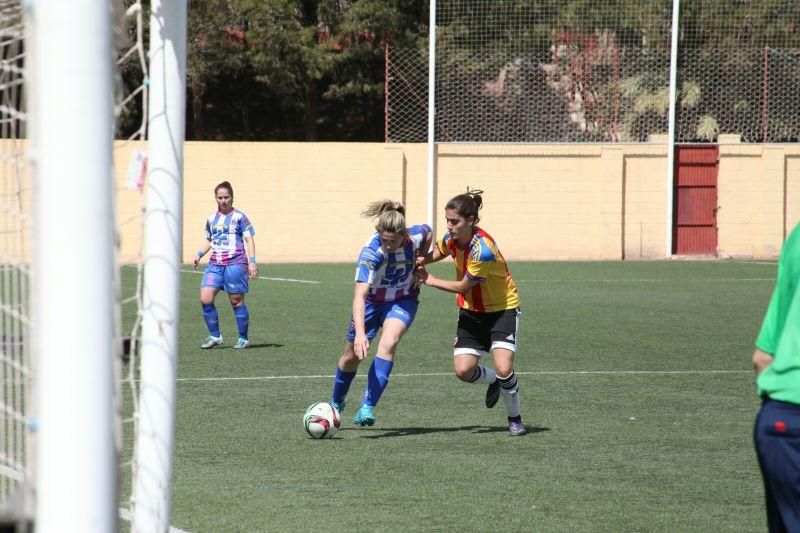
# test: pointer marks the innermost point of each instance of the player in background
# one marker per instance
(385, 296)
(488, 319)
(230, 266)
(777, 366)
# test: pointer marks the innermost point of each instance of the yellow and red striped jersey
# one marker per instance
(482, 261)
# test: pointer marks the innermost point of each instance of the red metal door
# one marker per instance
(695, 213)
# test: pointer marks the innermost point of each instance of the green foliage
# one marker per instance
(707, 128)
(314, 69)
(293, 69)
(690, 94)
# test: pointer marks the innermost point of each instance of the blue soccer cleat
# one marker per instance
(364, 416)
(339, 406)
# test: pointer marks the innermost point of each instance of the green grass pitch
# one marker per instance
(636, 387)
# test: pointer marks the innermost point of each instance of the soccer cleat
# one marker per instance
(339, 406)
(516, 427)
(241, 344)
(211, 341)
(364, 416)
(493, 393)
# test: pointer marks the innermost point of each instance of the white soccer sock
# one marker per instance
(481, 374)
(509, 389)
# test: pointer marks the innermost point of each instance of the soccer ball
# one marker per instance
(322, 420)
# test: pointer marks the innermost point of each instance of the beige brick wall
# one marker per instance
(542, 201)
(304, 200)
(645, 204)
(759, 198)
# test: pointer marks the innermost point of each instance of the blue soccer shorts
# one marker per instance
(376, 313)
(232, 279)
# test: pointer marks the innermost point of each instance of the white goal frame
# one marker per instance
(75, 342)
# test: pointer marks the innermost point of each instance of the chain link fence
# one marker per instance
(518, 72)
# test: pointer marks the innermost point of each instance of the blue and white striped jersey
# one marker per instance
(227, 233)
(391, 275)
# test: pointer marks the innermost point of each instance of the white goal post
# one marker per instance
(163, 227)
(76, 483)
(75, 92)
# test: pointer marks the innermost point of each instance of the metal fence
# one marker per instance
(515, 72)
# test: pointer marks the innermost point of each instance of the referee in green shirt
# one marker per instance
(777, 365)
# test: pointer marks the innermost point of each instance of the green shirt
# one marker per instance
(780, 333)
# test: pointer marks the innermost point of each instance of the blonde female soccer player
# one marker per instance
(385, 296)
(228, 231)
(488, 320)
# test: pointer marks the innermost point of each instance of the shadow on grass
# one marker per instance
(404, 432)
(265, 345)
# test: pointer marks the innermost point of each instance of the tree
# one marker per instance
(325, 57)
(216, 42)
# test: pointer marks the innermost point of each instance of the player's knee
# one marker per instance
(388, 345)
(348, 358)
(504, 369)
(464, 374)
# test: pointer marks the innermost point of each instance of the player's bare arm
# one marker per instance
(431, 257)
(425, 247)
(761, 360)
(360, 343)
(203, 250)
(252, 267)
(462, 286)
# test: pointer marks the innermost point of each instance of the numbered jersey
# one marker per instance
(391, 274)
(227, 233)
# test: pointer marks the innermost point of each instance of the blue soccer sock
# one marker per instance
(377, 380)
(341, 384)
(242, 320)
(212, 319)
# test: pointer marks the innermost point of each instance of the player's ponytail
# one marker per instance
(224, 185)
(467, 204)
(390, 215)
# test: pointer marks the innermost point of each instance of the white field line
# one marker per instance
(265, 278)
(125, 514)
(773, 263)
(701, 280)
(442, 374)
(716, 280)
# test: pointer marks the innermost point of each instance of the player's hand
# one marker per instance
(195, 262)
(420, 261)
(252, 270)
(361, 346)
(421, 274)
(761, 360)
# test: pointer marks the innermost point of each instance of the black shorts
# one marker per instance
(479, 333)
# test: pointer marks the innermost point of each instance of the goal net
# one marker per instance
(19, 418)
(130, 154)
(15, 271)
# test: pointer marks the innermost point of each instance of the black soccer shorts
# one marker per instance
(479, 333)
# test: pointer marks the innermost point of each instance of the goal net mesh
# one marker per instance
(131, 162)
(15, 266)
(17, 281)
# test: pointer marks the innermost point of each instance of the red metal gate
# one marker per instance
(695, 210)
